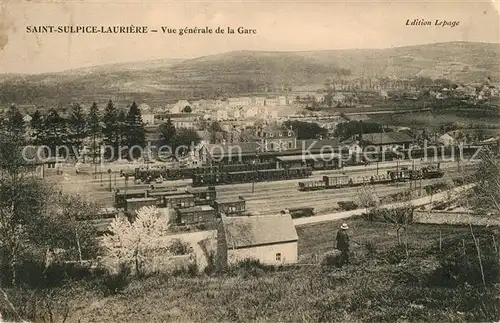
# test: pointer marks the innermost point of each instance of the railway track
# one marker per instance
(285, 192)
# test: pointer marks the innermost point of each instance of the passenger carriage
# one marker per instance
(240, 177)
(271, 174)
(299, 172)
(208, 179)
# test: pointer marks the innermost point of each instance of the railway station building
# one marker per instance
(303, 152)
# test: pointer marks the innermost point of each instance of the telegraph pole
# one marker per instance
(397, 173)
(255, 170)
(126, 183)
(109, 172)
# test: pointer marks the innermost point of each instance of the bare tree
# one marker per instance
(71, 214)
(399, 217)
(367, 197)
(485, 197)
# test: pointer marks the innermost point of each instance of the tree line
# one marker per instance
(113, 127)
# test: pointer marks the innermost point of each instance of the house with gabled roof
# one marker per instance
(270, 239)
(181, 106)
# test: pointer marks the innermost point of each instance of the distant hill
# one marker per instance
(161, 81)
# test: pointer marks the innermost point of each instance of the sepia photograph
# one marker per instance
(249, 161)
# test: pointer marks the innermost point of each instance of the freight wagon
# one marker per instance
(251, 176)
(203, 195)
(399, 175)
(122, 196)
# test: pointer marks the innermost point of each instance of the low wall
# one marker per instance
(447, 217)
(416, 202)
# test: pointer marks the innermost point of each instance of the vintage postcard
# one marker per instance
(249, 161)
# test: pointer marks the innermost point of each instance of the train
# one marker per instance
(148, 174)
(225, 178)
(151, 173)
(399, 175)
(168, 196)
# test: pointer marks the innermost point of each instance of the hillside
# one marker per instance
(381, 284)
(250, 71)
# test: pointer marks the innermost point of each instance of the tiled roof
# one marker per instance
(318, 144)
(199, 208)
(387, 138)
(247, 231)
(243, 148)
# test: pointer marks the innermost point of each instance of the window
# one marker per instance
(271, 135)
(290, 144)
(278, 257)
(289, 133)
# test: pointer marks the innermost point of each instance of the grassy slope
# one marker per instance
(372, 289)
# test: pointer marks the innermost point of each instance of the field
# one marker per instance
(432, 121)
(380, 284)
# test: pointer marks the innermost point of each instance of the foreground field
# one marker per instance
(381, 284)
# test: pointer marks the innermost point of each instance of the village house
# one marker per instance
(271, 102)
(338, 98)
(220, 114)
(148, 118)
(179, 120)
(319, 97)
(147, 115)
(235, 114)
(250, 112)
(272, 240)
(282, 100)
(181, 106)
(447, 140)
(242, 101)
(260, 100)
(277, 138)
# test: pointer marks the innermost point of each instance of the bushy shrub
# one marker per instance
(250, 267)
(347, 205)
(396, 254)
(210, 268)
(331, 260)
(114, 283)
(178, 247)
(371, 248)
(457, 267)
(28, 271)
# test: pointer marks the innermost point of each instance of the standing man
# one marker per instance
(343, 244)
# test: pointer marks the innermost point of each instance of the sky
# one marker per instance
(281, 26)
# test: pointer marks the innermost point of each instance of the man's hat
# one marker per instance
(344, 226)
